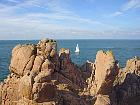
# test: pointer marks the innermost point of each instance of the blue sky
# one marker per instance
(70, 19)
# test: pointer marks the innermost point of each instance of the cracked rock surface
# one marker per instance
(41, 75)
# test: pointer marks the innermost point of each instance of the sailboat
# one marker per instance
(77, 50)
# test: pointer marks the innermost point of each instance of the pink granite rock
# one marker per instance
(21, 57)
(41, 76)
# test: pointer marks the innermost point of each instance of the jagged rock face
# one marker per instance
(46, 48)
(10, 90)
(88, 70)
(103, 74)
(43, 92)
(127, 84)
(31, 68)
(106, 70)
(41, 76)
(69, 70)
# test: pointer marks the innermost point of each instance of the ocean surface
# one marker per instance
(122, 49)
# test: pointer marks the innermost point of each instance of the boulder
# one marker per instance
(29, 65)
(52, 53)
(43, 92)
(48, 66)
(102, 100)
(21, 56)
(47, 48)
(38, 64)
(25, 87)
(9, 91)
(43, 76)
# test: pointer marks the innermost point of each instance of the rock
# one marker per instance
(1, 86)
(21, 56)
(106, 70)
(10, 89)
(89, 73)
(64, 56)
(103, 73)
(43, 76)
(43, 92)
(29, 65)
(53, 53)
(25, 101)
(16, 48)
(47, 48)
(38, 64)
(102, 100)
(48, 66)
(25, 87)
(69, 70)
(132, 67)
(127, 83)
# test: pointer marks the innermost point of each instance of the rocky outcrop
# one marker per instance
(105, 69)
(127, 84)
(31, 68)
(39, 75)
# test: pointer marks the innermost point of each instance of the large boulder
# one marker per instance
(25, 86)
(22, 59)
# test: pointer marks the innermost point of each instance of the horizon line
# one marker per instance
(68, 39)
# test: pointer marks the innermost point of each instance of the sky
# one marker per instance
(69, 19)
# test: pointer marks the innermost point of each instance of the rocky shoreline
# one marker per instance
(39, 75)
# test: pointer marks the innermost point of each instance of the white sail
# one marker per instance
(77, 50)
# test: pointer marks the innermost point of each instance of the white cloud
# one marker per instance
(131, 4)
(116, 14)
(14, 1)
(42, 20)
(43, 24)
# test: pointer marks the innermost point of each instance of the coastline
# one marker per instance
(41, 75)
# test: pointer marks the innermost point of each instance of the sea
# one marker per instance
(122, 49)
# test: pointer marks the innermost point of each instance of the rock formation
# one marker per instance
(39, 75)
(127, 84)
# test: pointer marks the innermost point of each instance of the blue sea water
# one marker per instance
(122, 49)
